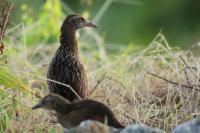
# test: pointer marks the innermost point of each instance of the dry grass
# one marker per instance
(158, 86)
(124, 82)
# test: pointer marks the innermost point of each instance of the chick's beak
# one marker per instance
(90, 24)
(39, 105)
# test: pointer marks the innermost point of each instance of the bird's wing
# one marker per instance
(75, 76)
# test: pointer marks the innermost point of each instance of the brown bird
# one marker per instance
(66, 66)
(72, 114)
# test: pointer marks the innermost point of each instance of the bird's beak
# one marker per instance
(39, 105)
(90, 24)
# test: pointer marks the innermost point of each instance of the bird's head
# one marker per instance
(51, 102)
(76, 22)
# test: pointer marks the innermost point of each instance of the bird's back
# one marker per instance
(95, 110)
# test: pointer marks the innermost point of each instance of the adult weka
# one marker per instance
(66, 67)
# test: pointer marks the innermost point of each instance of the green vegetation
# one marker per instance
(120, 76)
(124, 22)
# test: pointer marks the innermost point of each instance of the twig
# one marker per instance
(184, 62)
(97, 84)
(172, 82)
(185, 72)
(189, 51)
(54, 81)
(4, 24)
(5, 21)
(187, 66)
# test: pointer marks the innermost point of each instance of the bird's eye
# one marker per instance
(81, 19)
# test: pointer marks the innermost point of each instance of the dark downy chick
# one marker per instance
(66, 66)
(72, 114)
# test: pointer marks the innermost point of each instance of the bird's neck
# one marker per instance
(62, 107)
(68, 41)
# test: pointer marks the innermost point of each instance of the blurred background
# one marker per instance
(122, 23)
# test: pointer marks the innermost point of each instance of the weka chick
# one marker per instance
(72, 114)
(66, 66)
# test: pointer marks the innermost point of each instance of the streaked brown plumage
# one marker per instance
(66, 66)
(72, 114)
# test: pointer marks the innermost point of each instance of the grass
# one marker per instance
(157, 86)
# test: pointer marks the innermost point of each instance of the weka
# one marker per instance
(71, 114)
(66, 66)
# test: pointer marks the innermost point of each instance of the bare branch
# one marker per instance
(188, 67)
(5, 14)
(172, 82)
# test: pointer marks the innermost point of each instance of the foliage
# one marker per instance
(46, 26)
(128, 21)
